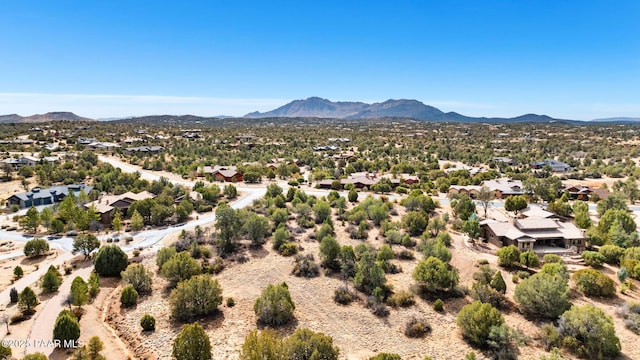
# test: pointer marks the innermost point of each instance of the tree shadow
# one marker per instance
(257, 252)
(60, 354)
(282, 330)
(211, 321)
(44, 296)
(34, 260)
(109, 282)
(81, 262)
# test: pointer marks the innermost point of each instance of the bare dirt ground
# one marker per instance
(358, 333)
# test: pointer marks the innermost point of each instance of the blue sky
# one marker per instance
(566, 59)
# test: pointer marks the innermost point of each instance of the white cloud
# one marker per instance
(109, 105)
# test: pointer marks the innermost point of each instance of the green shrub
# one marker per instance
(438, 305)
(306, 344)
(552, 258)
(486, 294)
(198, 296)
(288, 249)
(180, 267)
(529, 259)
(508, 256)
(497, 282)
(386, 356)
(556, 269)
(129, 296)
(13, 295)
(18, 272)
(36, 247)
(594, 283)
(550, 337)
(417, 328)
(51, 280)
(274, 306)
(27, 301)
(148, 323)
(192, 343)
(631, 315)
(343, 296)
(434, 274)
(66, 328)
(543, 295)
(476, 320)
(612, 254)
(280, 237)
(402, 298)
(139, 277)
(110, 261)
(305, 266)
(230, 302)
(589, 333)
(592, 258)
(93, 284)
(406, 255)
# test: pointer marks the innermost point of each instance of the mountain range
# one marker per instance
(50, 116)
(413, 109)
(315, 107)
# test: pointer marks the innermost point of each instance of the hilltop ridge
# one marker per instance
(401, 108)
(50, 116)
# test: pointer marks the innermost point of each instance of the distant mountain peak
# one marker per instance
(396, 108)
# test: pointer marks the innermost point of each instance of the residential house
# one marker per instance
(577, 192)
(144, 149)
(504, 160)
(537, 234)
(408, 179)
(191, 134)
(346, 157)
(501, 188)
(584, 192)
(472, 170)
(537, 212)
(555, 165)
(325, 148)
(223, 173)
(54, 194)
(30, 161)
(359, 181)
(106, 204)
(86, 141)
(471, 191)
(102, 145)
(245, 137)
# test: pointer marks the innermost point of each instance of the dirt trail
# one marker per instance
(32, 278)
(42, 328)
(90, 324)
